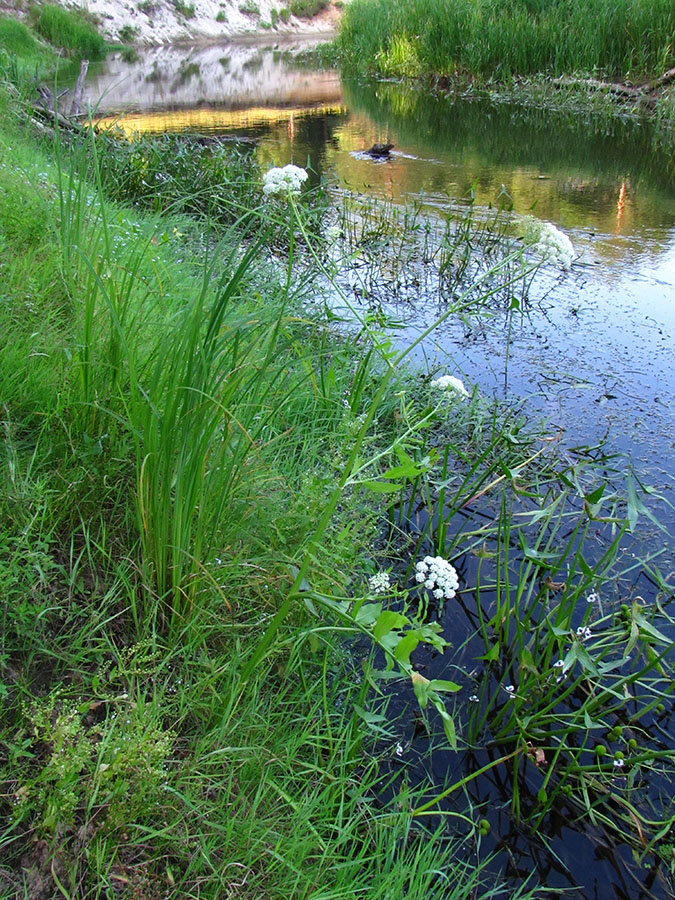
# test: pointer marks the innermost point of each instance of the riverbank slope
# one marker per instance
(154, 22)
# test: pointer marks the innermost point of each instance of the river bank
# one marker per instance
(155, 22)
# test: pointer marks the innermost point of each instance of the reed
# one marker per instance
(70, 30)
(406, 39)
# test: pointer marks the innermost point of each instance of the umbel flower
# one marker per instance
(280, 182)
(379, 583)
(549, 242)
(438, 576)
(450, 383)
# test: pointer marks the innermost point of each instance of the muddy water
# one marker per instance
(593, 354)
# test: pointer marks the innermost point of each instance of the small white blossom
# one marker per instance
(592, 597)
(618, 764)
(510, 689)
(558, 664)
(584, 633)
(399, 749)
(473, 698)
(379, 583)
(284, 181)
(450, 383)
(438, 576)
(549, 242)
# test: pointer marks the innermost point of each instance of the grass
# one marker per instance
(497, 41)
(70, 30)
(307, 8)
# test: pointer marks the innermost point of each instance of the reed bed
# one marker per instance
(621, 39)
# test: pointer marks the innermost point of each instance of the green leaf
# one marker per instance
(405, 647)
(438, 684)
(370, 717)
(647, 628)
(492, 655)
(368, 614)
(386, 621)
(405, 471)
(382, 487)
(448, 722)
(585, 660)
(421, 688)
(595, 496)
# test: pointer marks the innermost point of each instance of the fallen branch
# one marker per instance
(634, 92)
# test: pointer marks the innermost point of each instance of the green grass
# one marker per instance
(307, 8)
(17, 38)
(513, 37)
(70, 30)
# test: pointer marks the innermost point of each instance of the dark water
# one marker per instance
(594, 356)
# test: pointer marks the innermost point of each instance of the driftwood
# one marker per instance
(50, 107)
(633, 92)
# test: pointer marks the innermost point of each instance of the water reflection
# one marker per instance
(231, 76)
(597, 354)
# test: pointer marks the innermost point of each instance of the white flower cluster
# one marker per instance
(438, 576)
(450, 383)
(379, 583)
(549, 242)
(282, 182)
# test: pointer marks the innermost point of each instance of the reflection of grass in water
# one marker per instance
(186, 71)
(254, 64)
(553, 140)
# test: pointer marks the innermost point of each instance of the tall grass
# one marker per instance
(513, 37)
(70, 30)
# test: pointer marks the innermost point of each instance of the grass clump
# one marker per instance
(17, 38)
(514, 37)
(70, 30)
(307, 8)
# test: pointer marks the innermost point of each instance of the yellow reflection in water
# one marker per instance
(210, 119)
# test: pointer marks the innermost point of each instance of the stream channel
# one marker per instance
(593, 357)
